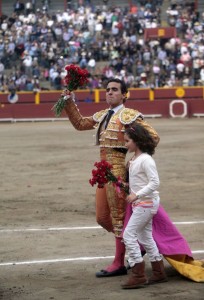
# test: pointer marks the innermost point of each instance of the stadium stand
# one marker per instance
(38, 38)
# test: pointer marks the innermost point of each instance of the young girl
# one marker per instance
(144, 197)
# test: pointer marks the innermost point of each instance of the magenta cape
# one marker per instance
(167, 237)
(173, 246)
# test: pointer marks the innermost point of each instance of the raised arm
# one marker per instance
(78, 121)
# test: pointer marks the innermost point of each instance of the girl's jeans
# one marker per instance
(139, 230)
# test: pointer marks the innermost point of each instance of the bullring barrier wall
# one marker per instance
(160, 102)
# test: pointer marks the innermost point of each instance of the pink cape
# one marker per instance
(167, 237)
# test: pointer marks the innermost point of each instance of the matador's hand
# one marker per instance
(68, 95)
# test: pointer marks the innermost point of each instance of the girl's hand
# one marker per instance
(130, 198)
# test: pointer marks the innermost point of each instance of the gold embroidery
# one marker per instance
(98, 117)
(116, 200)
(128, 116)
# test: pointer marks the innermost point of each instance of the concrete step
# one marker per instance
(54, 6)
(164, 19)
(200, 6)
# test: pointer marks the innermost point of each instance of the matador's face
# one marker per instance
(114, 96)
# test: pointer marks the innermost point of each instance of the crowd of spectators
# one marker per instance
(35, 45)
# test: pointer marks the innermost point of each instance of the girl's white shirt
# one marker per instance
(144, 178)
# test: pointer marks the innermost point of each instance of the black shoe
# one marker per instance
(118, 272)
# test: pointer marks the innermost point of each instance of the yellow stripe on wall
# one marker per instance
(37, 98)
(151, 95)
(97, 99)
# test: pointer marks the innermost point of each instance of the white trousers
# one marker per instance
(139, 229)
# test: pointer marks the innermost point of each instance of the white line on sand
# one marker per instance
(49, 261)
(81, 227)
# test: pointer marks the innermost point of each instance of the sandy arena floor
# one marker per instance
(46, 202)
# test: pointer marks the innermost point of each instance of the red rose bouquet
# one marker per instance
(75, 78)
(102, 175)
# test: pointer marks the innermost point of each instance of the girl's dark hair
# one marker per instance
(124, 88)
(140, 135)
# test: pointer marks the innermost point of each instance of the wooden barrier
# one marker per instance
(151, 102)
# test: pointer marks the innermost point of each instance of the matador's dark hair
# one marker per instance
(142, 138)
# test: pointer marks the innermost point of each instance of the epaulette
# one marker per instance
(129, 115)
(98, 116)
